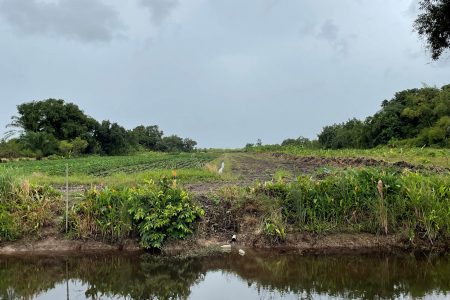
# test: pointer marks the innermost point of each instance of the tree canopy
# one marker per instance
(414, 117)
(433, 24)
(53, 126)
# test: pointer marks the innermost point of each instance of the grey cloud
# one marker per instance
(82, 20)
(330, 33)
(159, 9)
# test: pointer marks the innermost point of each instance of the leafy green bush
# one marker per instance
(154, 211)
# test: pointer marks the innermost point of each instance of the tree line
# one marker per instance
(54, 127)
(412, 118)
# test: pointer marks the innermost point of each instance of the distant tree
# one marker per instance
(79, 146)
(66, 148)
(41, 143)
(300, 141)
(189, 145)
(65, 121)
(171, 143)
(416, 116)
(433, 24)
(53, 126)
(12, 149)
(113, 138)
(147, 136)
(258, 143)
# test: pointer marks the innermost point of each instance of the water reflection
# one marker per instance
(228, 276)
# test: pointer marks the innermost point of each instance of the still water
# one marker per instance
(257, 275)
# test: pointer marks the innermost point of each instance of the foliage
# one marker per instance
(162, 213)
(41, 143)
(368, 200)
(274, 226)
(174, 143)
(147, 136)
(13, 149)
(154, 212)
(25, 208)
(52, 126)
(418, 117)
(433, 24)
(299, 142)
(113, 138)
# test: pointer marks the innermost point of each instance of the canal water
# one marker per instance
(257, 275)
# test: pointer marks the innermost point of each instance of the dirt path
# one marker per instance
(247, 168)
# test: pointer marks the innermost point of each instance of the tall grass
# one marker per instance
(367, 200)
(25, 208)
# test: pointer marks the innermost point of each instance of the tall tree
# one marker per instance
(433, 24)
(113, 138)
(65, 121)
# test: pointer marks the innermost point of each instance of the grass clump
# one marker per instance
(155, 212)
(26, 208)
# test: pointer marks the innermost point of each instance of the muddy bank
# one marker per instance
(304, 243)
(57, 244)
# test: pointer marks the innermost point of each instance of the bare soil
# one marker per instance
(249, 168)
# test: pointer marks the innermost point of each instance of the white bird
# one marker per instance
(222, 166)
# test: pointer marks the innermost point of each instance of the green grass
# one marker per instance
(417, 156)
(115, 170)
(357, 200)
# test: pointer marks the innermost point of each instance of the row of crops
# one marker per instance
(108, 165)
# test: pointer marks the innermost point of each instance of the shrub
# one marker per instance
(154, 211)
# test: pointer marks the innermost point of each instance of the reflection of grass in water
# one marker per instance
(149, 277)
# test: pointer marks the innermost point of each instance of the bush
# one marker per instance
(154, 212)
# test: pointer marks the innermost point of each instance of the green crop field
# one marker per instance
(122, 169)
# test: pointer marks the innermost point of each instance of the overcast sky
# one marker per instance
(223, 72)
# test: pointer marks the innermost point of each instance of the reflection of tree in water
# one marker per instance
(152, 277)
(148, 277)
(348, 276)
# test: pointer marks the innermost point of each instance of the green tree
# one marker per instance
(41, 143)
(113, 138)
(79, 146)
(66, 148)
(172, 143)
(433, 24)
(65, 121)
(147, 136)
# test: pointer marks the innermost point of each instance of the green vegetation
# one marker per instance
(115, 169)
(416, 117)
(357, 200)
(53, 127)
(433, 24)
(431, 157)
(26, 208)
(154, 212)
